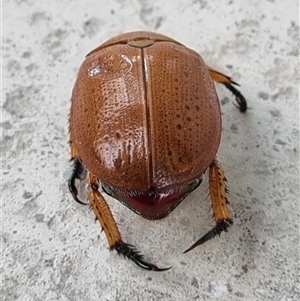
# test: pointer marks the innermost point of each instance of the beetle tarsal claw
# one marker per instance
(78, 170)
(130, 252)
(228, 83)
(220, 227)
(240, 99)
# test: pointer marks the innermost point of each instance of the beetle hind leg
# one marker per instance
(229, 84)
(108, 224)
(218, 190)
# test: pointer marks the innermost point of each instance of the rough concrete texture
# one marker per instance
(51, 247)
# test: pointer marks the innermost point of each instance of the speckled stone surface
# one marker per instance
(51, 247)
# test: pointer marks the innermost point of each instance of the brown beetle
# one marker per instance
(145, 123)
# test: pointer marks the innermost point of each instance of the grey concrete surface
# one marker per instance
(51, 247)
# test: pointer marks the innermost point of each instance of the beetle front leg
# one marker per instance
(228, 83)
(218, 190)
(108, 224)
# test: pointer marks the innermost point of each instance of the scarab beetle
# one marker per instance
(145, 123)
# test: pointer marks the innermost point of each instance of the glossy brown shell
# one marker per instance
(145, 112)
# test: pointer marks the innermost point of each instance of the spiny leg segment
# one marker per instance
(228, 83)
(218, 190)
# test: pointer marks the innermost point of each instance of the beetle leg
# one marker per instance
(108, 224)
(228, 83)
(78, 170)
(77, 173)
(218, 190)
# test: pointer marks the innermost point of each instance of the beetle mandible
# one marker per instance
(145, 123)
